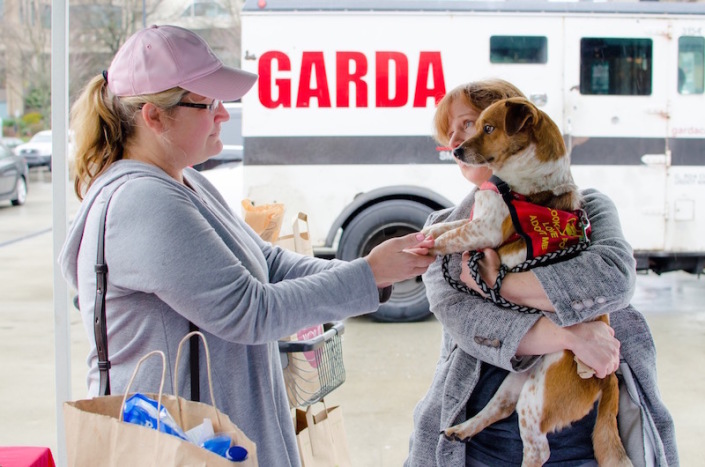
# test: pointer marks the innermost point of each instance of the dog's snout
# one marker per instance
(458, 152)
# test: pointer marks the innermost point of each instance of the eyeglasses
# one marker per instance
(212, 107)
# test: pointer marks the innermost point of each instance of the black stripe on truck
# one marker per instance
(338, 150)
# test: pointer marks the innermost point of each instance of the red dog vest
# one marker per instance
(543, 229)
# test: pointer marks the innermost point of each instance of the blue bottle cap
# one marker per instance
(236, 454)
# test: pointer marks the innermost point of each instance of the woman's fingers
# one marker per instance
(400, 258)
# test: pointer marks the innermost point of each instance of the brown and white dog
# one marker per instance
(525, 148)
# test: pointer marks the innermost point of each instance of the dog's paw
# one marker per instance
(445, 245)
(434, 231)
(453, 434)
(437, 251)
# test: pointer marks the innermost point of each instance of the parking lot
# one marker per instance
(389, 366)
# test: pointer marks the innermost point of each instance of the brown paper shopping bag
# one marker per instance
(265, 219)
(321, 437)
(97, 436)
(299, 240)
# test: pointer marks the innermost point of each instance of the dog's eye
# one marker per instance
(488, 129)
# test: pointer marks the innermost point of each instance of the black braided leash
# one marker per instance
(492, 293)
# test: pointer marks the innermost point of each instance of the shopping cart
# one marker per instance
(313, 368)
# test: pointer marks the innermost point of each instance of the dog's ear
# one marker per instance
(520, 114)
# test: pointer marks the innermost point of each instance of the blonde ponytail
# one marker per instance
(102, 125)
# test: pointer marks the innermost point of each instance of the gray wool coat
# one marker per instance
(600, 280)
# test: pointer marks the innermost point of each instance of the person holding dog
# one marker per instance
(481, 341)
(177, 254)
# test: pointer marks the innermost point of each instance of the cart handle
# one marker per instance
(330, 330)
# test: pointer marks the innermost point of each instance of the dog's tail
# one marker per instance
(607, 444)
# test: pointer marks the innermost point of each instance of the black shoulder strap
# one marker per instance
(193, 344)
(100, 327)
(100, 330)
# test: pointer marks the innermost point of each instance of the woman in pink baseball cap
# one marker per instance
(178, 258)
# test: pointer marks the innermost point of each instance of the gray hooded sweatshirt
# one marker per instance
(176, 255)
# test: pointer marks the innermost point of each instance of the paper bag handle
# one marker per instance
(309, 412)
(302, 240)
(302, 218)
(132, 379)
(310, 422)
(208, 368)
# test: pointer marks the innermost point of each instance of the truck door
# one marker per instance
(617, 117)
(686, 138)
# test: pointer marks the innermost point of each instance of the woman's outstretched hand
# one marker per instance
(400, 258)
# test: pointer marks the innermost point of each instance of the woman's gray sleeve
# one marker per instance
(600, 279)
(168, 249)
(479, 327)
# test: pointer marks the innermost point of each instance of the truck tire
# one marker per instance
(371, 227)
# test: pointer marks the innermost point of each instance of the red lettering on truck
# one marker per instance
(351, 68)
(265, 84)
(391, 78)
(312, 64)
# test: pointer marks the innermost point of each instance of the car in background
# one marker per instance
(12, 141)
(13, 176)
(37, 151)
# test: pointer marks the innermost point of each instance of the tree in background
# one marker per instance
(97, 29)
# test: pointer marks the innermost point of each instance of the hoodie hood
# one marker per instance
(116, 175)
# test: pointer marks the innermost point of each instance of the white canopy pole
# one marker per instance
(59, 125)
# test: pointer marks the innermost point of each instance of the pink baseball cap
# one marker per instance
(163, 57)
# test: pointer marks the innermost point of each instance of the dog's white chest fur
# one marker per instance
(526, 174)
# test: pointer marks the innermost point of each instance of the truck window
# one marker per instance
(691, 54)
(518, 49)
(615, 66)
